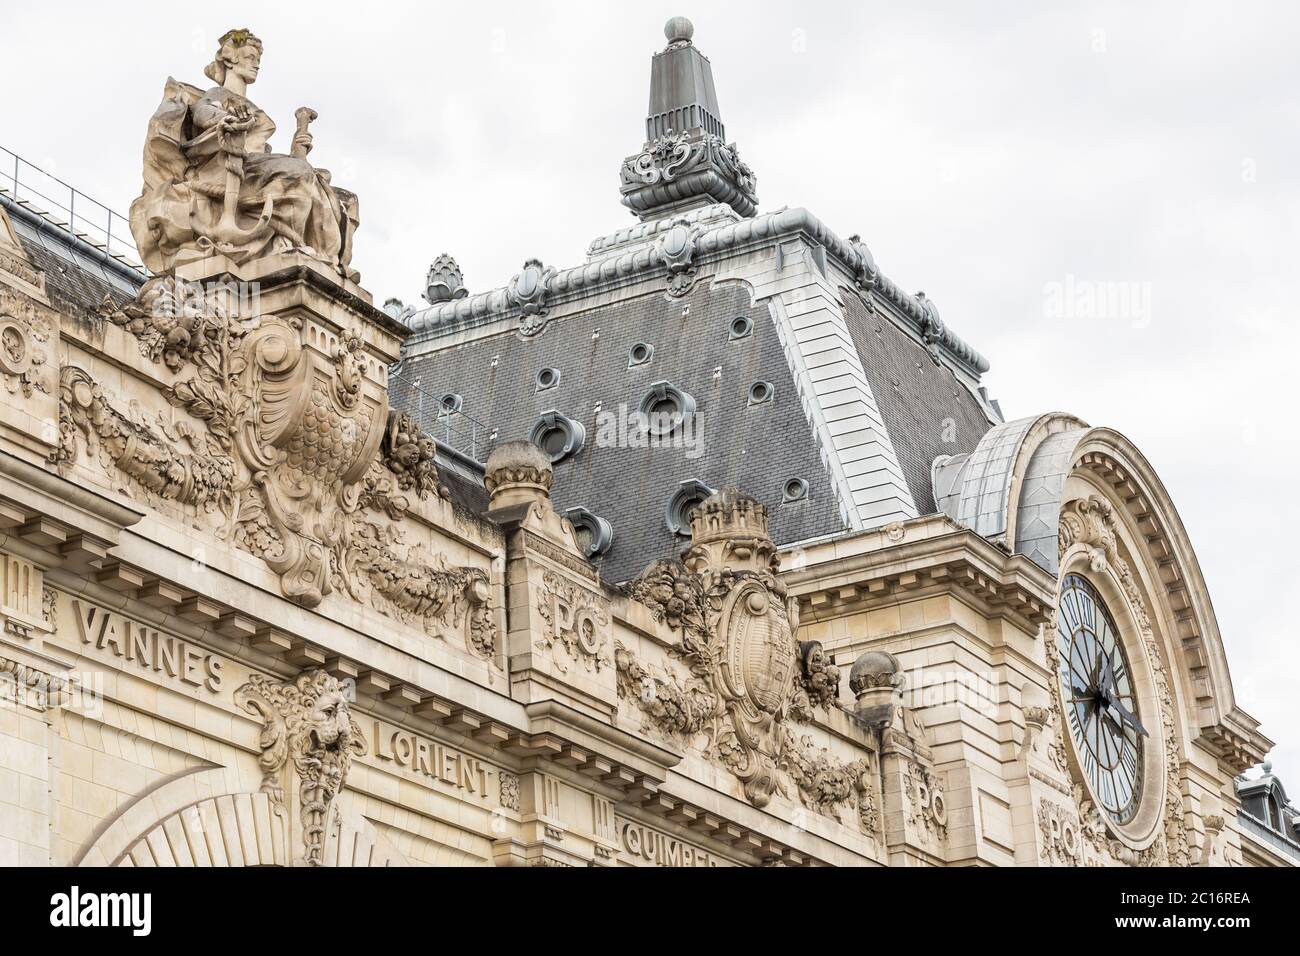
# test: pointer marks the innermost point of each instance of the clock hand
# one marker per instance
(1128, 718)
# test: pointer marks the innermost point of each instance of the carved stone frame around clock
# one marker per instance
(1142, 830)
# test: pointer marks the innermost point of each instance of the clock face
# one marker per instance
(1101, 707)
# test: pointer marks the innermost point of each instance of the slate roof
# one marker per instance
(926, 410)
(756, 447)
(77, 275)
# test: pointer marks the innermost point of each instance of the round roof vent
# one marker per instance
(665, 407)
(546, 378)
(794, 489)
(595, 534)
(640, 354)
(558, 436)
(678, 513)
(450, 403)
(742, 326)
(760, 393)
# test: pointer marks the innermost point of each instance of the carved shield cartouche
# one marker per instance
(757, 673)
(760, 654)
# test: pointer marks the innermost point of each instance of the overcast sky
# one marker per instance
(1004, 157)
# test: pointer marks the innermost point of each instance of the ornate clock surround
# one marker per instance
(1090, 550)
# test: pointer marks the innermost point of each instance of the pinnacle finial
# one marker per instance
(679, 31)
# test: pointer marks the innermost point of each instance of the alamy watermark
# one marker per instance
(1105, 300)
(623, 427)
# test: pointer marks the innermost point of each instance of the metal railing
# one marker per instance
(452, 427)
(69, 208)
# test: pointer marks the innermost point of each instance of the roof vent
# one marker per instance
(595, 535)
(546, 378)
(665, 407)
(742, 326)
(677, 516)
(795, 489)
(640, 354)
(558, 435)
(760, 393)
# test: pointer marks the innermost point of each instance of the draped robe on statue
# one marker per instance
(283, 202)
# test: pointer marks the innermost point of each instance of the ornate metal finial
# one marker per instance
(679, 31)
(444, 281)
(686, 162)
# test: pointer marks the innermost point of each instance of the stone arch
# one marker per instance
(198, 820)
(1012, 488)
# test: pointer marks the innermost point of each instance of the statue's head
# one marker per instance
(240, 53)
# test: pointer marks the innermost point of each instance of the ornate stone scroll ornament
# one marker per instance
(677, 247)
(307, 732)
(527, 292)
(865, 274)
(301, 446)
(932, 328)
(679, 166)
(212, 185)
(444, 282)
(1090, 523)
(737, 627)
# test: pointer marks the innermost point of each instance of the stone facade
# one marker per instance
(254, 614)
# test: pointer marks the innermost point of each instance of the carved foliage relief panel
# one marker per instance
(738, 687)
(274, 433)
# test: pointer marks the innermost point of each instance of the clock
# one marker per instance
(1100, 704)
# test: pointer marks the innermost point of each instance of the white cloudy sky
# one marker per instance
(985, 151)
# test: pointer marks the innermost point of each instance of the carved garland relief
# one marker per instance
(300, 463)
(746, 676)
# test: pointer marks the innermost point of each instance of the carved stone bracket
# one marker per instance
(677, 247)
(527, 292)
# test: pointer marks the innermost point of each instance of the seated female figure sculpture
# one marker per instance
(213, 186)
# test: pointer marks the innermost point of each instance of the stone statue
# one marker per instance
(212, 184)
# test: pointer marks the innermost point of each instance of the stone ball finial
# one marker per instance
(874, 681)
(679, 30)
(517, 472)
(1268, 766)
(873, 669)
